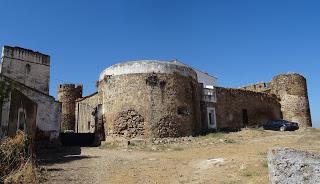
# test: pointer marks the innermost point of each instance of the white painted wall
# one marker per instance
(48, 112)
(203, 77)
(207, 80)
(148, 66)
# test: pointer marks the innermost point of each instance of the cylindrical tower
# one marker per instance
(150, 99)
(291, 89)
(67, 95)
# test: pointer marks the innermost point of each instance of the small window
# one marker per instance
(211, 113)
(28, 68)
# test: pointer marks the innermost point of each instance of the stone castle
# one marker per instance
(27, 105)
(142, 99)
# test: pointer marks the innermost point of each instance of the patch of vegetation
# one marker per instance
(265, 164)
(260, 129)
(4, 90)
(229, 141)
(177, 148)
(25, 174)
(113, 145)
(16, 164)
(217, 135)
(248, 173)
(231, 182)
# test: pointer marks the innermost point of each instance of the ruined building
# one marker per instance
(156, 99)
(25, 100)
(139, 99)
(292, 94)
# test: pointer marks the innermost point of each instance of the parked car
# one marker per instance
(281, 125)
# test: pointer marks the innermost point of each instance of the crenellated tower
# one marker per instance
(67, 95)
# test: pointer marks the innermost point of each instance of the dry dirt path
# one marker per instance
(217, 158)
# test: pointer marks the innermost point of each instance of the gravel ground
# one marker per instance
(238, 157)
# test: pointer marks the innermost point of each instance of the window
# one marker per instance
(22, 120)
(27, 69)
(211, 118)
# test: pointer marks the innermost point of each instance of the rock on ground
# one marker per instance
(290, 166)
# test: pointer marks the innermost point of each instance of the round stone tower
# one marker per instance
(291, 89)
(150, 99)
(67, 95)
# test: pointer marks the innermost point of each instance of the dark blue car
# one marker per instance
(281, 125)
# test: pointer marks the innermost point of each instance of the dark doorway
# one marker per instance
(245, 117)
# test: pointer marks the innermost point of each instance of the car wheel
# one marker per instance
(283, 128)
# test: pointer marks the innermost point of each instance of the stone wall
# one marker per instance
(48, 110)
(84, 113)
(27, 67)
(291, 89)
(149, 105)
(236, 108)
(258, 87)
(67, 95)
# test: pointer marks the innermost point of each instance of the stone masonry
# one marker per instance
(291, 89)
(237, 108)
(155, 99)
(163, 108)
(28, 72)
(67, 95)
(27, 67)
(292, 93)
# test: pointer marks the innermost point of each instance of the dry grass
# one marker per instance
(15, 164)
(244, 156)
(25, 174)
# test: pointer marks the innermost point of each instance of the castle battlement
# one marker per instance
(26, 55)
(63, 87)
(258, 87)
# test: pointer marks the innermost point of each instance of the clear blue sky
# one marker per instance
(238, 41)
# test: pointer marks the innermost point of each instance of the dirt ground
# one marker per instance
(238, 157)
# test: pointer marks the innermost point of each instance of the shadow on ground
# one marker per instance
(61, 154)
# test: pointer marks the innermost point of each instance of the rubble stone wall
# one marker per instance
(258, 87)
(233, 104)
(291, 89)
(150, 105)
(67, 95)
